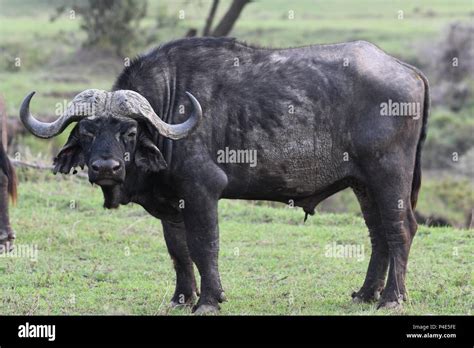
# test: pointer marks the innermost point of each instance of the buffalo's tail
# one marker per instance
(416, 184)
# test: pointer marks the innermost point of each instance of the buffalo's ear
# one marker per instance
(70, 156)
(148, 157)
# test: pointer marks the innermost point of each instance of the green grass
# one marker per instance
(50, 88)
(263, 22)
(95, 261)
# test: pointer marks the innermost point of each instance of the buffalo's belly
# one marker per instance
(285, 170)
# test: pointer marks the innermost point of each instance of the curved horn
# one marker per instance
(135, 105)
(83, 105)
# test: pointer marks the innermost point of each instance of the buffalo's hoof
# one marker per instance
(223, 297)
(184, 303)
(390, 305)
(357, 299)
(6, 246)
(365, 297)
(206, 309)
(6, 241)
(4, 236)
(177, 305)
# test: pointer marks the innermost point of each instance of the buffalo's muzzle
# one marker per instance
(106, 172)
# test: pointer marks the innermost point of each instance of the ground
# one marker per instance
(95, 261)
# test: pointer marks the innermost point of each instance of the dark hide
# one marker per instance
(313, 116)
(8, 184)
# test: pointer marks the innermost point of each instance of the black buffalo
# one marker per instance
(7, 188)
(318, 119)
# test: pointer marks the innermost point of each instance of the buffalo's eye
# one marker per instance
(87, 133)
(132, 133)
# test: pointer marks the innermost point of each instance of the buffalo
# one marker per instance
(8, 184)
(318, 119)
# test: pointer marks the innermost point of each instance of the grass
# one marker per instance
(264, 22)
(51, 90)
(95, 261)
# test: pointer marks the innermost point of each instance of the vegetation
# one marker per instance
(96, 261)
(108, 23)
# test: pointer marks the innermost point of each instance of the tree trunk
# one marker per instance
(227, 22)
(210, 18)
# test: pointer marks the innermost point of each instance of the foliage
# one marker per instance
(450, 135)
(110, 23)
(450, 63)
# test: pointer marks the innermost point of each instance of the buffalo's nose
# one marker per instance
(106, 166)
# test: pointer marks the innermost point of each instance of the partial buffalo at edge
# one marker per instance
(8, 184)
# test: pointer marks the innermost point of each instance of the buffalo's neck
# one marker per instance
(153, 193)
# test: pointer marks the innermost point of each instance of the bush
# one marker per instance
(450, 66)
(110, 23)
(449, 137)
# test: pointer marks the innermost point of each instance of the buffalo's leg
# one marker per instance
(175, 237)
(392, 192)
(6, 232)
(203, 242)
(378, 264)
(202, 232)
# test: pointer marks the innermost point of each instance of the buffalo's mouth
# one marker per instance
(111, 190)
(108, 181)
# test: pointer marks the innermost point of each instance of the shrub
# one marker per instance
(110, 23)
